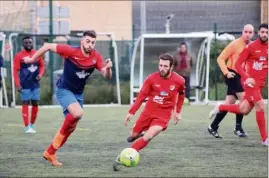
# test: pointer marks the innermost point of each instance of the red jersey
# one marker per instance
(28, 72)
(253, 62)
(162, 94)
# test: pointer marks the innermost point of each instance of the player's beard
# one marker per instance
(263, 39)
(28, 48)
(165, 74)
(87, 50)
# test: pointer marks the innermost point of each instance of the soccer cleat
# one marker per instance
(130, 139)
(117, 164)
(52, 159)
(240, 132)
(265, 142)
(213, 132)
(214, 112)
(31, 128)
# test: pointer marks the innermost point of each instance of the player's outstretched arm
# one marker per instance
(143, 94)
(46, 47)
(41, 68)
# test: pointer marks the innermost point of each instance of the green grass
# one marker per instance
(181, 151)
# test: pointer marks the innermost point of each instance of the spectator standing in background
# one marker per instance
(183, 66)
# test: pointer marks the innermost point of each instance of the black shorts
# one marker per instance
(234, 84)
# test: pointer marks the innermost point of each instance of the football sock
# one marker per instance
(34, 114)
(239, 119)
(260, 119)
(219, 117)
(25, 114)
(62, 135)
(139, 144)
(234, 108)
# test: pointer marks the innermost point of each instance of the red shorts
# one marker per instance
(145, 121)
(252, 95)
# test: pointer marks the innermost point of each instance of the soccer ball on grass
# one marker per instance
(129, 157)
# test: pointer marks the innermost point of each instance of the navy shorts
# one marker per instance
(66, 97)
(234, 84)
(30, 94)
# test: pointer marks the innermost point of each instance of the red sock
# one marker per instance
(139, 144)
(34, 114)
(233, 108)
(62, 135)
(25, 114)
(69, 123)
(51, 150)
(260, 119)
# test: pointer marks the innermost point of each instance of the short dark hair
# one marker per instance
(167, 57)
(263, 25)
(182, 43)
(26, 37)
(90, 33)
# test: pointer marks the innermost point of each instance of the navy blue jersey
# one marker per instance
(26, 78)
(77, 67)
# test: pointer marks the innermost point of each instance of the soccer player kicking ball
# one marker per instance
(79, 64)
(254, 73)
(27, 82)
(165, 90)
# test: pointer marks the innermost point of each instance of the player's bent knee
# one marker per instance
(75, 110)
(77, 114)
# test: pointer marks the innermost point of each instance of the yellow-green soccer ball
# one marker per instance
(129, 157)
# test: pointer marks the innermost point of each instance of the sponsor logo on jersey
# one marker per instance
(262, 58)
(94, 61)
(163, 93)
(257, 65)
(82, 74)
(158, 99)
(32, 68)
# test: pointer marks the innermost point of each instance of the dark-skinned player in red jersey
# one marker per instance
(252, 66)
(79, 64)
(165, 91)
(27, 77)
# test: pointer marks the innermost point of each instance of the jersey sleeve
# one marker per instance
(16, 68)
(64, 50)
(143, 94)
(99, 62)
(240, 61)
(181, 96)
(224, 56)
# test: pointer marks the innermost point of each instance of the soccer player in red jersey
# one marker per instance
(165, 90)
(79, 64)
(27, 77)
(252, 66)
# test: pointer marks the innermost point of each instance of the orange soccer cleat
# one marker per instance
(52, 159)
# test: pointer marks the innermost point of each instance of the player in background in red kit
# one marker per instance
(27, 77)
(165, 90)
(252, 66)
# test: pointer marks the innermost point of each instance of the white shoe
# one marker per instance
(215, 111)
(265, 142)
(31, 130)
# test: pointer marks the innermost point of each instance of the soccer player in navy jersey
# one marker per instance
(27, 77)
(79, 64)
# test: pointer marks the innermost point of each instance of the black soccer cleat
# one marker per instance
(240, 133)
(130, 139)
(214, 132)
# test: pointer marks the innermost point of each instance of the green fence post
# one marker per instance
(51, 40)
(215, 62)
